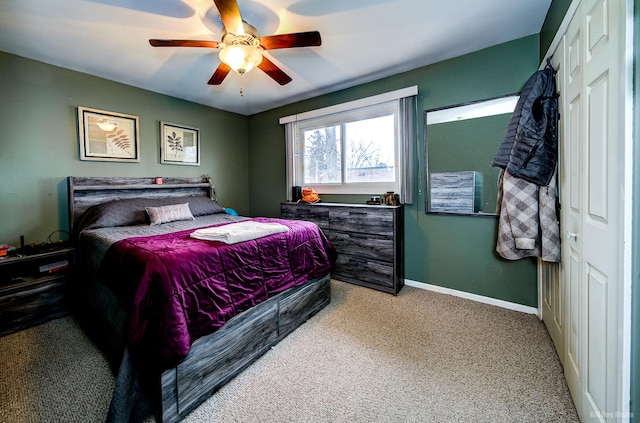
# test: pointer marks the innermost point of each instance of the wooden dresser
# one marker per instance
(369, 240)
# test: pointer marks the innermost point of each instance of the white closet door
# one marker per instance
(592, 182)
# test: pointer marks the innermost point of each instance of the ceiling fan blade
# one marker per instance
(230, 14)
(274, 71)
(299, 39)
(218, 76)
(184, 43)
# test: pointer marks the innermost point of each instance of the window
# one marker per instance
(353, 148)
(351, 152)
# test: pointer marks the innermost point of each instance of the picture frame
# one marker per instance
(179, 144)
(108, 136)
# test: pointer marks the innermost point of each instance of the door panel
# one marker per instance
(574, 140)
(553, 292)
(590, 185)
(597, 24)
(553, 305)
(598, 93)
(601, 226)
(571, 186)
(597, 321)
(572, 368)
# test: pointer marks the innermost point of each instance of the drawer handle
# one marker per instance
(358, 213)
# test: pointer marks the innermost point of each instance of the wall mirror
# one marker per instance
(460, 142)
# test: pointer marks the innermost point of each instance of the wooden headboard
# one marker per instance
(85, 192)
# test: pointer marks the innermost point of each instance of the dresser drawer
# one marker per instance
(373, 246)
(367, 238)
(33, 287)
(308, 212)
(367, 272)
(366, 220)
(32, 302)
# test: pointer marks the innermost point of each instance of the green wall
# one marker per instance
(555, 15)
(39, 144)
(451, 251)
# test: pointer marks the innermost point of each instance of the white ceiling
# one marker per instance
(362, 40)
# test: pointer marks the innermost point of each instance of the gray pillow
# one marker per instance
(132, 211)
(201, 206)
(170, 213)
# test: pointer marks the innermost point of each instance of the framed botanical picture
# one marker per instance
(108, 136)
(179, 144)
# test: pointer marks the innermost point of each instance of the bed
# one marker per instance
(179, 294)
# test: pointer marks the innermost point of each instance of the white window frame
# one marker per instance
(340, 119)
(380, 105)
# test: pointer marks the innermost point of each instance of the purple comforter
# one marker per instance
(179, 288)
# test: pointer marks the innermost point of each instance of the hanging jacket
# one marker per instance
(528, 223)
(529, 149)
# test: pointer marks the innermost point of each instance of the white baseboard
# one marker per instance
(472, 297)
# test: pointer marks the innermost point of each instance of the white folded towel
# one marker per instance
(238, 232)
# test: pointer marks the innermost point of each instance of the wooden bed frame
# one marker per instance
(217, 358)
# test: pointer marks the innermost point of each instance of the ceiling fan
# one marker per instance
(241, 47)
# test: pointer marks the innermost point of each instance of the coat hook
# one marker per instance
(549, 65)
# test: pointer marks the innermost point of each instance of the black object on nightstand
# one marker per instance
(32, 288)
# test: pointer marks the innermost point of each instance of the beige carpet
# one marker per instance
(367, 357)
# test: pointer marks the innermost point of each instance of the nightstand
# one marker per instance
(32, 288)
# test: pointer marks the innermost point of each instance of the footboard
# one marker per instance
(216, 359)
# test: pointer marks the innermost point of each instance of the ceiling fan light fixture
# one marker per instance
(240, 48)
(240, 57)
